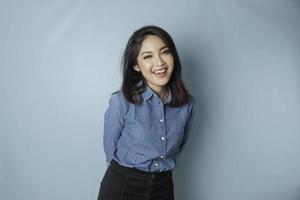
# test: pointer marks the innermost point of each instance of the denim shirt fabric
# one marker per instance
(148, 136)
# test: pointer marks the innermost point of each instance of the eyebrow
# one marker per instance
(151, 51)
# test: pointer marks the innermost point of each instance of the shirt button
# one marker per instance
(161, 156)
(162, 138)
(156, 165)
(161, 120)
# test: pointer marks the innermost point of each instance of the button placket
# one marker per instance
(163, 137)
(162, 124)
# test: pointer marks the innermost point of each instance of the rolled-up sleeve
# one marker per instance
(113, 125)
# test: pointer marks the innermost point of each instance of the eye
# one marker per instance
(166, 52)
(147, 57)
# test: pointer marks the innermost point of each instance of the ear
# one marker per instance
(136, 68)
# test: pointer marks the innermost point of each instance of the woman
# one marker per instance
(146, 123)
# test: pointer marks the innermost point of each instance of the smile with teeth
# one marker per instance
(160, 71)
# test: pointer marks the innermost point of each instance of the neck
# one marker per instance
(162, 92)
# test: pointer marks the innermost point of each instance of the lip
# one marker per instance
(165, 68)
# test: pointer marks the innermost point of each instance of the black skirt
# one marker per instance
(124, 183)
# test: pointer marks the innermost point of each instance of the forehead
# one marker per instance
(152, 42)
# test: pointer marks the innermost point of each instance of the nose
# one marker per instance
(160, 61)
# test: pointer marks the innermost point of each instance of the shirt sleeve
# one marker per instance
(188, 125)
(113, 125)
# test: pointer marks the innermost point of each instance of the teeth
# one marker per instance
(160, 71)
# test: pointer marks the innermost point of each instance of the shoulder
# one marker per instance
(191, 101)
(191, 105)
(117, 99)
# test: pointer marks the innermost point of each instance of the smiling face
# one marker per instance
(155, 62)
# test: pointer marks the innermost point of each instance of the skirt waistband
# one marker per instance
(114, 165)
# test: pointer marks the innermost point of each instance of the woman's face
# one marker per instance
(155, 62)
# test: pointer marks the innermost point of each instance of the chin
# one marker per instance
(163, 83)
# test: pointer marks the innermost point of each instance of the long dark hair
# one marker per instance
(130, 87)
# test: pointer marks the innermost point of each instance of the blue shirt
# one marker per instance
(148, 136)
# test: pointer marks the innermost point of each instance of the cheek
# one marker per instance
(171, 65)
(147, 66)
(171, 70)
(143, 65)
(170, 60)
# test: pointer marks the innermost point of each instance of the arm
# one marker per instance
(188, 125)
(113, 125)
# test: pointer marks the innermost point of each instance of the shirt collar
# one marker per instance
(148, 93)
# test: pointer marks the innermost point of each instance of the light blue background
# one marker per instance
(60, 61)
